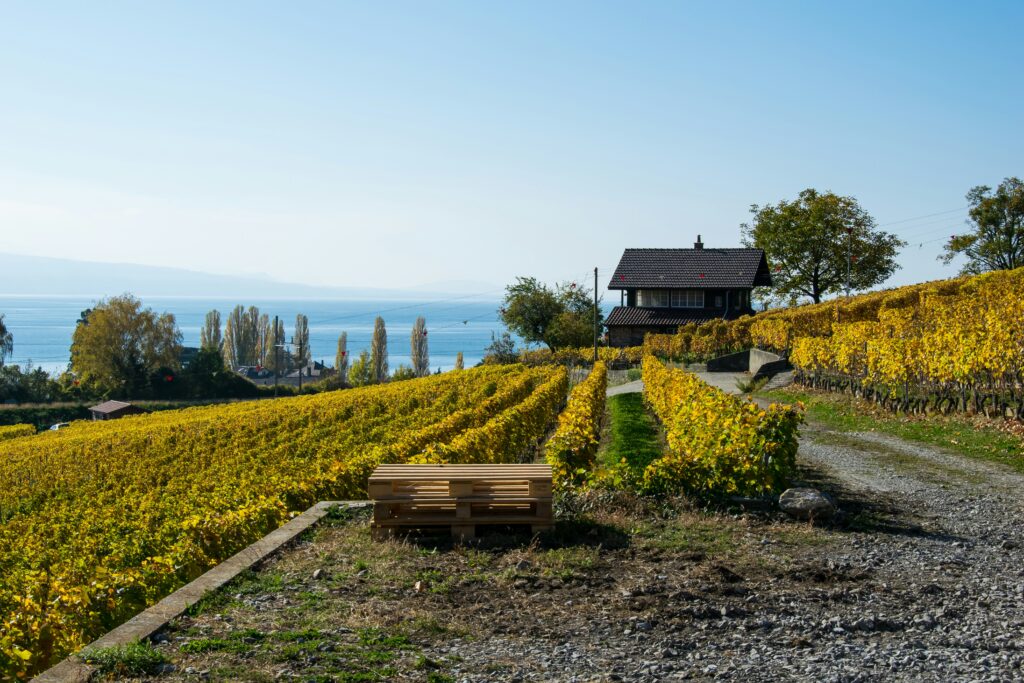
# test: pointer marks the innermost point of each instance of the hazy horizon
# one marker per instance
(385, 146)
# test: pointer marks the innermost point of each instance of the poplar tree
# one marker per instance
(458, 361)
(300, 341)
(276, 357)
(341, 357)
(6, 341)
(264, 340)
(418, 351)
(379, 351)
(241, 335)
(209, 335)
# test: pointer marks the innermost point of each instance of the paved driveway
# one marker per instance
(726, 381)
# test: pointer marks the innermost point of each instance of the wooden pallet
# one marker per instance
(460, 497)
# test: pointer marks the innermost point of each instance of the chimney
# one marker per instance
(698, 244)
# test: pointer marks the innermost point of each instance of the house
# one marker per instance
(661, 289)
(111, 410)
(313, 371)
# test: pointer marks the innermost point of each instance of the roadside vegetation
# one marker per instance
(978, 437)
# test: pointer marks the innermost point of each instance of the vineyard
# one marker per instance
(571, 450)
(15, 431)
(946, 346)
(102, 519)
(718, 444)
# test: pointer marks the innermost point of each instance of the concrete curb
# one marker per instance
(148, 622)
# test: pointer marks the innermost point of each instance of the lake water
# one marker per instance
(42, 326)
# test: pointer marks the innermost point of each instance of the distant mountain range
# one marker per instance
(41, 275)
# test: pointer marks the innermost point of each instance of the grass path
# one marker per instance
(631, 438)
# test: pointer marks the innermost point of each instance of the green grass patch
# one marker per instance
(248, 582)
(689, 532)
(135, 658)
(632, 442)
(958, 433)
(565, 563)
(201, 645)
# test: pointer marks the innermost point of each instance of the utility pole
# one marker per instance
(300, 368)
(849, 258)
(276, 362)
(595, 314)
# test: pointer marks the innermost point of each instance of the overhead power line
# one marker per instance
(918, 218)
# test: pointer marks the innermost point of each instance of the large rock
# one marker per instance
(807, 503)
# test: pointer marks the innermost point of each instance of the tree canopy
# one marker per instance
(378, 352)
(120, 346)
(557, 317)
(418, 350)
(808, 241)
(210, 335)
(996, 239)
(6, 341)
(300, 342)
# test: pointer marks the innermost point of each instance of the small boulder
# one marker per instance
(807, 503)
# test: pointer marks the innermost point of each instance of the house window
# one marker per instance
(688, 298)
(718, 301)
(654, 298)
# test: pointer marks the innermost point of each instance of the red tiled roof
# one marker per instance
(691, 268)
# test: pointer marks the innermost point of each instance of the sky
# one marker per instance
(395, 144)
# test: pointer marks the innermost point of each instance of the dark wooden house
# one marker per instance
(111, 410)
(661, 289)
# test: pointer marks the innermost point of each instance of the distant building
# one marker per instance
(264, 377)
(187, 355)
(313, 371)
(254, 372)
(662, 289)
(111, 410)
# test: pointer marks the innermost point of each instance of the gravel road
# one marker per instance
(922, 579)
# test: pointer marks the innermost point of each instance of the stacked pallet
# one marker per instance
(460, 497)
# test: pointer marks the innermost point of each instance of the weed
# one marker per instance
(135, 658)
(201, 645)
(749, 386)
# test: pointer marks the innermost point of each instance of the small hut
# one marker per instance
(111, 410)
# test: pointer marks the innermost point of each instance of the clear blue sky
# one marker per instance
(393, 144)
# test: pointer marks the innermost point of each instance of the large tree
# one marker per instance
(812, 241)
(996, 239)
(6, 341)
(379, 351)
(123, 345)
(418, 350)
(300, 341)
(361, 372)
(241, 337)
(558, 317)
(274, 356)
(209, 335)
